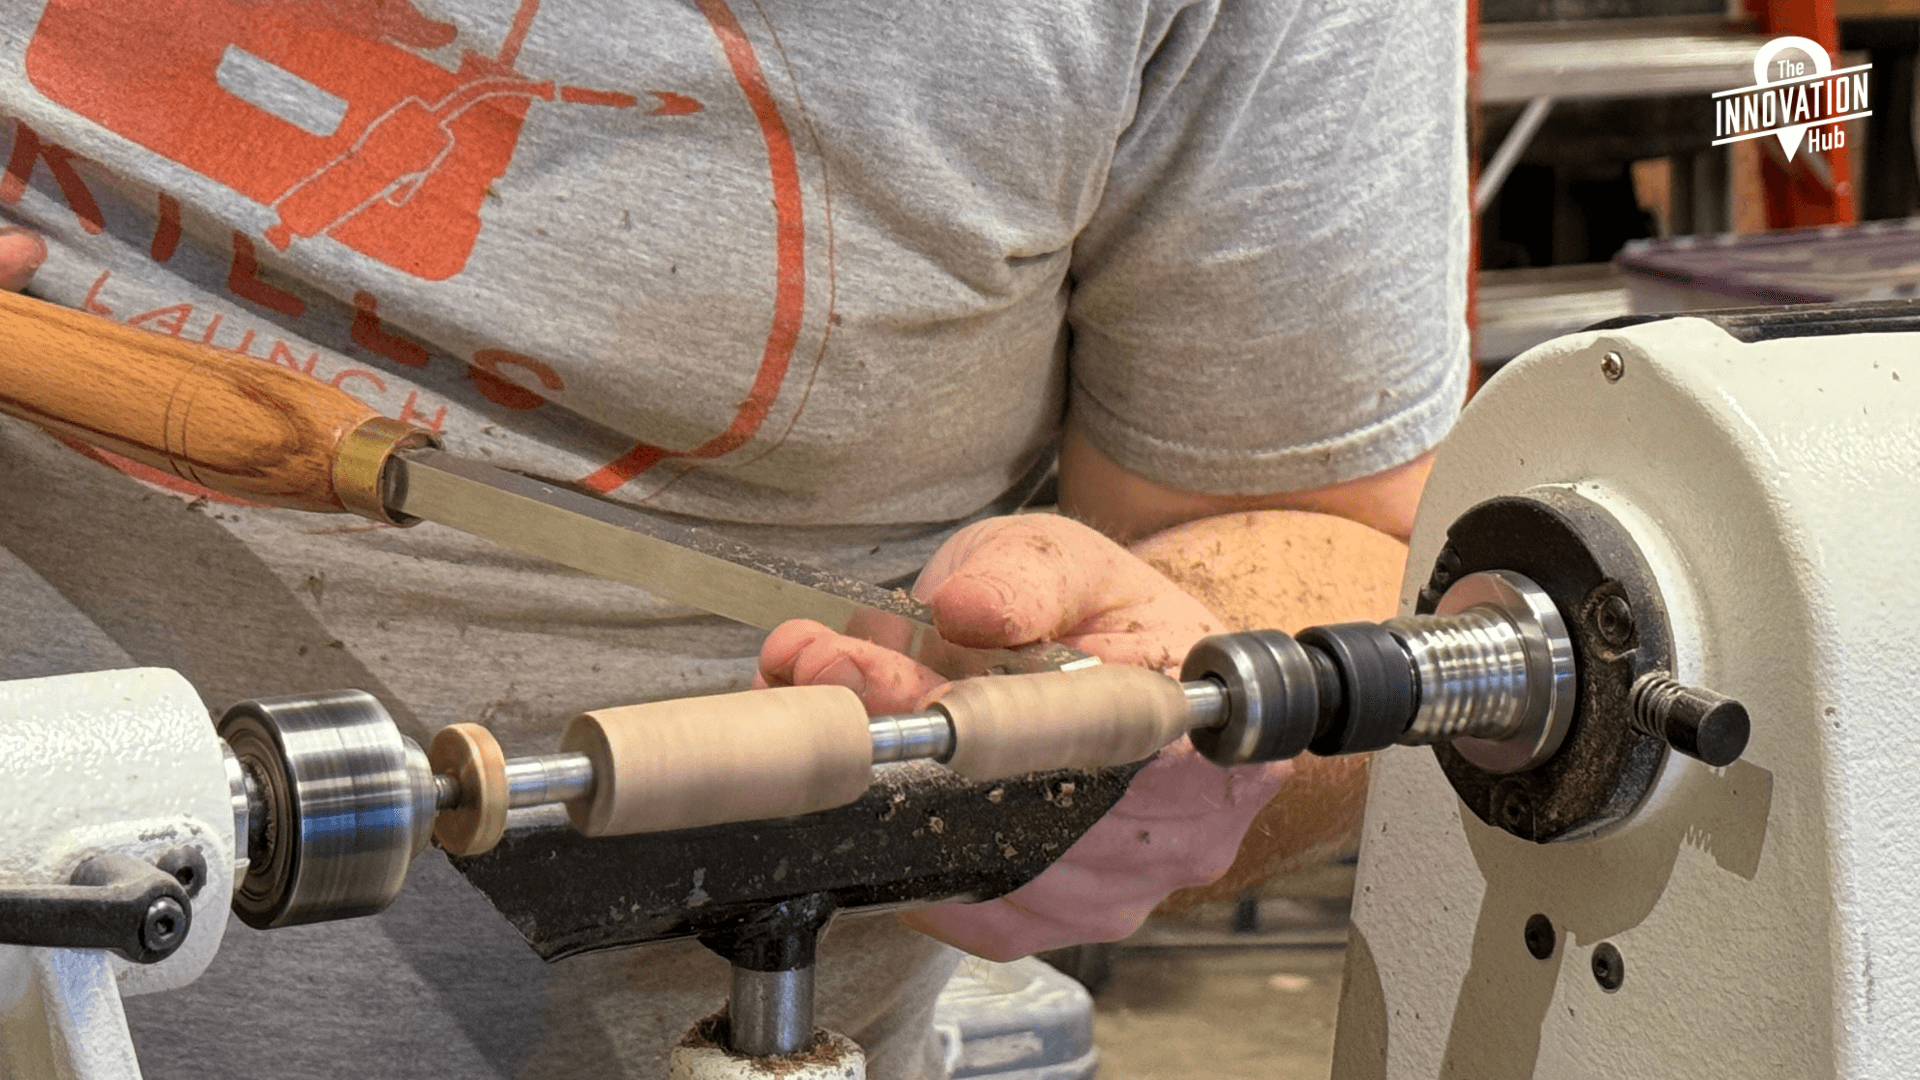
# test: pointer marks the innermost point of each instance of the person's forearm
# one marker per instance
(1126, 506)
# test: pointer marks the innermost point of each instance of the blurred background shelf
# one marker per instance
(1523, 307)
(1628, 58)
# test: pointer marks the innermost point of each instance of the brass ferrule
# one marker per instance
(360, 466)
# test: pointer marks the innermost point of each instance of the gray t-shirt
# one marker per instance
(832, 274)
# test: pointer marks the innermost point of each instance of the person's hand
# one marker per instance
(1013, 581)
(21, 253)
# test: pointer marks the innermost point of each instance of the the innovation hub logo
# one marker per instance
(1795, 101)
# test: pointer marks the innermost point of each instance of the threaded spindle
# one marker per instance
(1472, 671)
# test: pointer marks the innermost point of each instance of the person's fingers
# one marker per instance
(1007, 929)
(1011, 581)
(994, 930)
(21, 253)
(1181, 783)
(806, 653)
(884, 630)
(1148, 650)
(1179, 825)
(949, 556)
(1069, 904)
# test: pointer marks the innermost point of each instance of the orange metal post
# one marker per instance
(1798, 195)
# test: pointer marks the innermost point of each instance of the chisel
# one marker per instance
(271, 435)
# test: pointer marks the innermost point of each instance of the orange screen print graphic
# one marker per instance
(321, 110)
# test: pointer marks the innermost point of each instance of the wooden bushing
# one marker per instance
(471, 755)
(729, 757)
(1011, 725)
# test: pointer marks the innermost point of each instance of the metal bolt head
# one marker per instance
(1540, 937)
(1609, 967)
(1512, 804)
(1614, 619)
(187, 867)
(165, 926)
(1613, 365)
(1446, 567)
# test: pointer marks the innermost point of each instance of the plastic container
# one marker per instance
(1835, 263)
(1018, 1021)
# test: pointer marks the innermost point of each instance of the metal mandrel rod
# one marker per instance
(780, 752)
(914, 736)
(548, 778)
(926, 735)
(564, 777)
(1206, 703)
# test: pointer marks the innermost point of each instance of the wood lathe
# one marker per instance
(1656, 633)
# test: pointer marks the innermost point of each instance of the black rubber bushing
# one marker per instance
(1377, 685)
(1273, 698)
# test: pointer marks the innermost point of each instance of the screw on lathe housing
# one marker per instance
(1540, 937)
(1613, 365)
(1614, 620)
(1609, 967)
(187, 867)
(165, 926)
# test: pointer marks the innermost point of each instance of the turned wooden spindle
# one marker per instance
(220, 419)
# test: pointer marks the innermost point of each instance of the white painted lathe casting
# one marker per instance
(1768, 913)
(121, 761)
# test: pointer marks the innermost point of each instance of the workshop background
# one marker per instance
(1597, 194)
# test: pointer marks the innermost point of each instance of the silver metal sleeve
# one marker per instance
(423, 791)
(1472, 670)
(241, 796)
(770, 1013)
(1496, 672)
(548, 778)
(911, 736)
(1206, 703)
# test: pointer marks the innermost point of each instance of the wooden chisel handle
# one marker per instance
(219, 419)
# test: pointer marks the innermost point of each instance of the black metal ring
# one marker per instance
(1585, 561)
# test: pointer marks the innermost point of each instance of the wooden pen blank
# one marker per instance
(1010, 725)
(710, 760)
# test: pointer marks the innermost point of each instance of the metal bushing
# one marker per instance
(1273, 696)
(1378, 693)
(340, 801)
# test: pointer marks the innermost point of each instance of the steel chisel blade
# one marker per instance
(682, 563)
